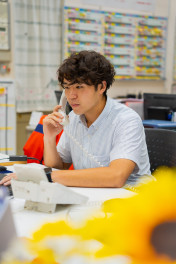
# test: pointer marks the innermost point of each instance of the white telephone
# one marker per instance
(65, 121)
(63, 103)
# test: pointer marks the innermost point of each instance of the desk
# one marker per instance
(26, 222)
(152, 123)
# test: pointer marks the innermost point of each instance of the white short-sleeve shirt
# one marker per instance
(117, 133)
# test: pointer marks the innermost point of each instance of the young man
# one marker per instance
(111, 147)
(107, 144)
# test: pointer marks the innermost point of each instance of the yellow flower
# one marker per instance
(133, 220)
(124, 227)
(53, 229)
(127, 225)
(45, 256)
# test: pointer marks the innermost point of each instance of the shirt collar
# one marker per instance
(101, 117)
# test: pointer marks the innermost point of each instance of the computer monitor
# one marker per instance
(159, 106)
(58, 95)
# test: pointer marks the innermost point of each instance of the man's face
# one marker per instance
(82, 98)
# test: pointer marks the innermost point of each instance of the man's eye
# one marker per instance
(66, 87)
(79, 86)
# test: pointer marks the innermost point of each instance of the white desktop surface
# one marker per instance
(27, 221)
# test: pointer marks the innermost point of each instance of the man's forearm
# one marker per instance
(51, 156)
(113, 176)
(103, 177)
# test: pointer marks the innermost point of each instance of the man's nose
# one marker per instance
(72, 93)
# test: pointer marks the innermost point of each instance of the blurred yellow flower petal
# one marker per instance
(53, 229)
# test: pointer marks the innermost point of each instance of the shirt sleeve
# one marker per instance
(129, 140)
(63, 148)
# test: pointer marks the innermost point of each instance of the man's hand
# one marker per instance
(51, 123)
(7, 179)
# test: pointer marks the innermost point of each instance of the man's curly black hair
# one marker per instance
(87, 67)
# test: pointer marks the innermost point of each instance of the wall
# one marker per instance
(166, 8)
(21, 136)
(11, 74)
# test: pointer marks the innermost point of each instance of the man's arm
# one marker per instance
(51, 156)
(113, 176)
(52, 127)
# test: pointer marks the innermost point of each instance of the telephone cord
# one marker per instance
(91, 157)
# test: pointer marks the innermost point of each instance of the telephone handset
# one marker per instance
(65, 121)
(63, 103)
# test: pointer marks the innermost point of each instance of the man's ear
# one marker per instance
(103, 87)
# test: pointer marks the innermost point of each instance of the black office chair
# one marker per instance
(161, 144)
